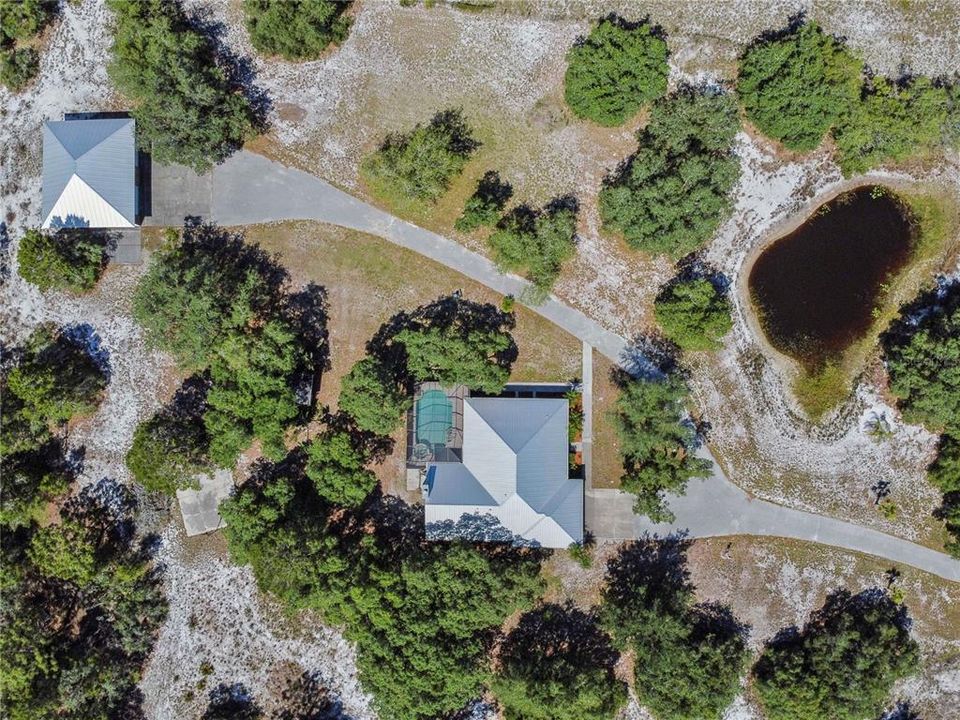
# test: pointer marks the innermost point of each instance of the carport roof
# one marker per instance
(89, 173)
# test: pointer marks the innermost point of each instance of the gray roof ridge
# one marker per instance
(105, 201)
(118, 128)
(516, 451)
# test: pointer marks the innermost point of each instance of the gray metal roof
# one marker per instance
(102, 154)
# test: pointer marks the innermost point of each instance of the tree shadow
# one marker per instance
(68, 238)
(794, 23)
(694, 267)
(942, 299)
(715, 620)
(901, 711)
(648, 356)
(85, 338)
(189, 402)
(307, 698)
(655, 566)
(622, 22)
(475, 527)
(492, 190)
(231, 702)
(376, 448)
(552, 629)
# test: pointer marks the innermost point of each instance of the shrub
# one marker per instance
(693, 313)
(891, 121)
(536, 242)
(556, 664)
(673, 193)
(372, 395)
(842, 664)
(31, 480)
(796, 85)
(169, 451)
(656, 446)
(420, 164)
(64, 260)
(18, 66)
(485, 205)
(617, 69)
(295, 29)
(336, 466)
(187, 107)
(24, 19)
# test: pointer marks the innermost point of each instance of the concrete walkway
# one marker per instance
(250, 189)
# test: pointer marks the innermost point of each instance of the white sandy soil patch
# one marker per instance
(217, 616)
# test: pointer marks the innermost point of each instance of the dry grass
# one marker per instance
(607, 465)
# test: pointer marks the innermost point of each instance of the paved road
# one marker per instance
(249, 189)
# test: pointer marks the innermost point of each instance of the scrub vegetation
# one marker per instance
(21, 23)
(62, 260)
(296, 29)
(693, 313)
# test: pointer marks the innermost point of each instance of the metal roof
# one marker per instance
(515, 468)
(89, 171)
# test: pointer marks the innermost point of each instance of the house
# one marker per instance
(89, 173)
(512, 478)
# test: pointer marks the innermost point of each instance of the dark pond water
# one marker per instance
(815, 289)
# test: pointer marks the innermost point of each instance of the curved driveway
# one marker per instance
(250, 189)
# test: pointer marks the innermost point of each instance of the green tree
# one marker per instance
(796, 85)
(655, 445)
(688, 657)
(673, 193)
(18, 66)
(616, 70)
(455, 341)
(202, 290)
(842, 664)
(24, 19)
(169, 451)
(420, 164)
(944, 473)
(31, 480)
(252, 393)
(486, 203)
(337, 468)
(536, 242)
(693, 313)
(556, 664)
(63, 551)
(187, 107)
(373, 396)
(892, 122)
(57, 379)
(63, 260)
(922, 354)
(296, 29)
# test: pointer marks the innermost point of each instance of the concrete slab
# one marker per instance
(199, 508)
(124, 246)
(175, 192)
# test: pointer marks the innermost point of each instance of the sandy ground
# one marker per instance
(505, 68)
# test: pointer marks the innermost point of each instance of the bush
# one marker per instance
(892, 121)
(842, 664)
(18, 66)
(656, 446)
(455, 341)
(64, 260)
(485, 205)
(693, 313)
(336, 466)
(420, 164)
(617, 69)
(187, 107)
(31, 480)
(796, 85)
(556, 664)
(295, 29)
(922, 353)
(372, 395)
(674, 192)
(536, 243)
(24, 19)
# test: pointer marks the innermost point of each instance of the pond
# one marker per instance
(816, 288)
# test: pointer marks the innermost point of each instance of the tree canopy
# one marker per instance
(296, 29)
(337, 468)
(486, 203)
(188, 107)
(420, 164)
(21, 21)
(842, 664)
(557, 664)
(536, 243)
(688, 657)
(673, 193)
(63, 260)
(456, 341)
(657, 448)
(796, 85)
(420, 613)
(373, 395)
(693, 313)
(616, 70)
